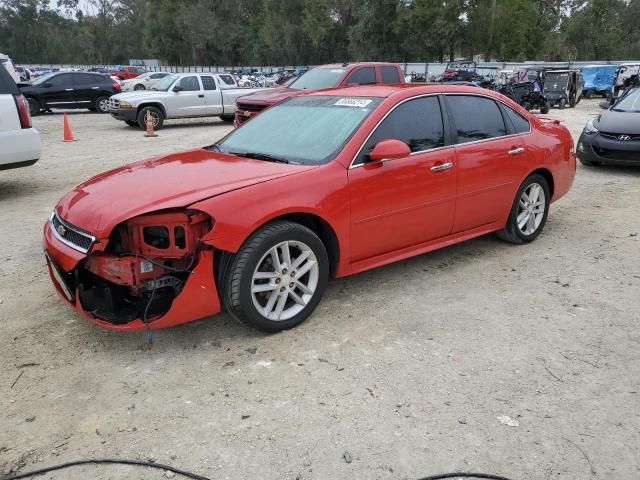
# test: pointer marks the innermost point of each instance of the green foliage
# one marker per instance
(302, 32)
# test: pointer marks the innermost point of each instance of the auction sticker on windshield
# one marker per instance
(353, 102)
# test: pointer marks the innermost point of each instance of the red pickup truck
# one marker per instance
(129, 72)
(319, 78)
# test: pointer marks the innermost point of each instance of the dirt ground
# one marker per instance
(402, 372)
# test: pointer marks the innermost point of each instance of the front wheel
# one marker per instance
(562, 104)
(102, 104)
(277, 278)
(157, 119)
(529, 211)
(545, 109)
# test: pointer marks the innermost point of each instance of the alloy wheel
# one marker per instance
(285, 280)
(103, 105)
(531, 207)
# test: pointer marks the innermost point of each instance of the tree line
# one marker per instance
(308, 32)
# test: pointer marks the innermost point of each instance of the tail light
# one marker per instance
(116, 86)
(23, 111)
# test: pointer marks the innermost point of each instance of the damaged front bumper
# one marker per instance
(196, 299)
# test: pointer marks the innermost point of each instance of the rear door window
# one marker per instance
(390, 75)
(208, 83)
(417, 122)
(476, 118)
(363, 76)
(520, 123)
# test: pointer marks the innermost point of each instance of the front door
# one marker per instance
(60, 92)
(212, 96)
(403, 202)
(189, 100)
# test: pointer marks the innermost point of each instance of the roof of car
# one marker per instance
(356, 64)
(383, 91)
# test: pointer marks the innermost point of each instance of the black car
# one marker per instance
(70, 90)
(614, 136)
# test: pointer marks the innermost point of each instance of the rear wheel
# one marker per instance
(139, 86)
(34, 106)
(277, 278)
(157, 119)
(102, 104)
(529, 211)
(545, 108)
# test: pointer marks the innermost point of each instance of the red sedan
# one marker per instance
(317, 187)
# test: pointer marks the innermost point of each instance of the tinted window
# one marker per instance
(228, 79)
(476, 118)
(61, 80)
(84, 78)
(520, 123)
(158, 75)
(363, 76)
(208, 83)
(189, 84)
(390, 75)
(317, 78)
(418, 123)
(7, 84)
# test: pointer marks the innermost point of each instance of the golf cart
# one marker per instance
(563, 87)
(524, 89)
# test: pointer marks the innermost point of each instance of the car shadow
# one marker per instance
(17, 187)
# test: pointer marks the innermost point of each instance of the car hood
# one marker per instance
(171, 181)
(139, 95)
(619, 122)
(270, 96)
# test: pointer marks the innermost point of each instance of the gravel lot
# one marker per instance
(402, 372)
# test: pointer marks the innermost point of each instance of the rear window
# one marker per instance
(7, 85)
(390, 75)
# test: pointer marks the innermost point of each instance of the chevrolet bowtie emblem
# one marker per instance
(61, 230)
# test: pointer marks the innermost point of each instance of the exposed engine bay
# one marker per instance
(143, 268)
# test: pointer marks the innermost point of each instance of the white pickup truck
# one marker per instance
(183, 95)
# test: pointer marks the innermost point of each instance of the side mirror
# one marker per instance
(605, 104)
(177, 88)
(389, 149)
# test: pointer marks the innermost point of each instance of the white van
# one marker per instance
(8, 64)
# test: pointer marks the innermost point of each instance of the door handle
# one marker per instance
(95, 88)
(516, 151)
(442, 166)
(68, 89)
(201, 96)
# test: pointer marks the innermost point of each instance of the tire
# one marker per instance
(256, 257)
(34, 106)
(131, 123)
(588, 95)
(156, 114)
(139, 86)
(227, 118)
(102, 104)
(545, 109)
(572, 102)
(512, 232)
(562, 104)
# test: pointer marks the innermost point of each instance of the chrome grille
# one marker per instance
(113, 103)
(70, 235)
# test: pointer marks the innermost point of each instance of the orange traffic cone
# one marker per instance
(149, 121)
(68, 134)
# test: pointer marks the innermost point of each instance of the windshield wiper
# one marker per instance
(260, 156)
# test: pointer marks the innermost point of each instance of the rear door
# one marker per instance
(212, 95)
(407, 201)
(87, 87)
(189, 101)
(490, 161)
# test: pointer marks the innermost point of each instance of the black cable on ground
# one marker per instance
(160, 466)
(98, 461)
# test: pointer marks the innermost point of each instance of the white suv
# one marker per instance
(20, 143)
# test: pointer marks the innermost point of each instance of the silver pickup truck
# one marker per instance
(183, 95)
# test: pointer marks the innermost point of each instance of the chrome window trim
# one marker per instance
(74, 229)
(352, 165)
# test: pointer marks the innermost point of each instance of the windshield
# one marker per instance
(629, 103)
(43, 79)
(303, 130)
(318, 78)
(556, 82)
(164, 84)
